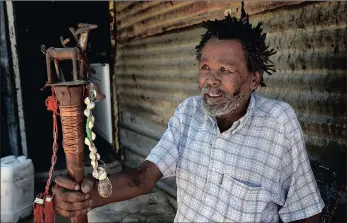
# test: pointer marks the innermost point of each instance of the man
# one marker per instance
(237, 157)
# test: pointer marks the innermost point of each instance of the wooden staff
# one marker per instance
(71, 106)
(70, 97)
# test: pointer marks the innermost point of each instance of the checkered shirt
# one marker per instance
(256, 171)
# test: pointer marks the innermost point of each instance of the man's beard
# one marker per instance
(223, 105)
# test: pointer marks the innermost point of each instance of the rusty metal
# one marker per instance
(135, 20)
(75, 54)
(64, 42)
(156, 69)
(83, 32)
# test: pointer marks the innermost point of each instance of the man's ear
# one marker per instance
(255, 80)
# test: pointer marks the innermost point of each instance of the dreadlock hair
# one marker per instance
(252, 39)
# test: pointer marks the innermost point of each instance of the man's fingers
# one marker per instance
(67, 183)
(74, 196)
(68, 196)
(87, 185)
(62, 212)
(68, 206)
(56, 189)
(66, 213)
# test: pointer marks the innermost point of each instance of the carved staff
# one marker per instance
(75, 99)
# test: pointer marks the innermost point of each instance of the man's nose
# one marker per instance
(213, 80)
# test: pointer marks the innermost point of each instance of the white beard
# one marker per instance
(229, 105)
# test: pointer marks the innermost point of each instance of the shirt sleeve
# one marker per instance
(299, 189)
(165, 154)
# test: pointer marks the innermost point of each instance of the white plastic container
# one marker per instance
(17, 188)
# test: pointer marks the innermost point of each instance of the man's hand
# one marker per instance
(72, 199)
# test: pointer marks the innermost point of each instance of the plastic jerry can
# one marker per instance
(17, 188)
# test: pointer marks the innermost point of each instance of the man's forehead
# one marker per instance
(231, 43)
(229, 61)
(225, 51)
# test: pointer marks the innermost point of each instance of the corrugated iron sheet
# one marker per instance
(154, 74)
(135, 20)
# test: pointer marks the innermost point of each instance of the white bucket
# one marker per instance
(17, 188)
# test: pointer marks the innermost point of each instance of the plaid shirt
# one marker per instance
(256, 171)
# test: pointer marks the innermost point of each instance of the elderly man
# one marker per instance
(237, 157)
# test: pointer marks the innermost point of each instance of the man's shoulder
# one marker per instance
(276, 109)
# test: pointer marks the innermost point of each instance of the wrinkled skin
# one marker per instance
(72, 199)
(225, 81)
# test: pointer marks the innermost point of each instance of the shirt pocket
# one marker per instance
(245, 203)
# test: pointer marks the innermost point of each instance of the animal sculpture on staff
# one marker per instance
(74, 102)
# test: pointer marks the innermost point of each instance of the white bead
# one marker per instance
(94, 164)
(86, 112)
(92, 156)
(86, 100)
(91, 125)
(86, 141)
(92, 149)
(103, 176)
(97, 156)
(101, 170)
(95, 174)
(93, 136)
(102, 173)
(94, 93)
(92, 118)
(91, 105)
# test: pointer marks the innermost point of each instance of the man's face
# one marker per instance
(224, 79)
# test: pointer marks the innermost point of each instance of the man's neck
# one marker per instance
(226, 121)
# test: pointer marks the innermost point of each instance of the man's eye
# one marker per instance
(204, 67)
(222, 69)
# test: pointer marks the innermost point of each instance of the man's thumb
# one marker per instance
(87, 185)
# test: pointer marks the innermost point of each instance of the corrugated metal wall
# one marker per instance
(156, 68)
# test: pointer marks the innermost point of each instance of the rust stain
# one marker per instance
(149, 18)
